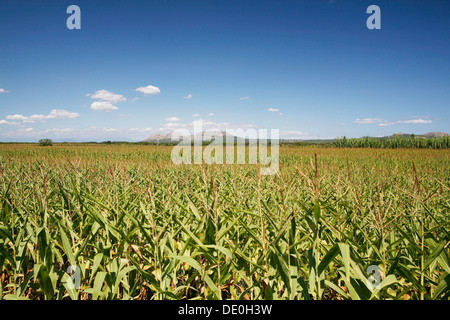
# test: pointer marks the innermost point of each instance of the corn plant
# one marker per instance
(123, 222)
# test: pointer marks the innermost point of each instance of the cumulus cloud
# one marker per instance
(189, 96)
(32, 118)
(103, 106)
(173, 119)
(106, 101)
(172, 124)
(9, 122)
(54, 114)
(273, 110)
(3, 90)
(108, 96)
(16, 117)
(149, 90)
(61, 113)
(211, 114)
(196, 115)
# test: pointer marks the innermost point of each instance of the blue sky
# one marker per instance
(308, 68)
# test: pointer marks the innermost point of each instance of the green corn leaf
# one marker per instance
(67, 247)
(326, 260)
(69, 284)
(45, 282)
(337, 289)
(443, 285)
(434, 254)
(193, 263)
(4, 233)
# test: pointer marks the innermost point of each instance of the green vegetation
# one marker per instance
(45, 142)
(394, 142)
(139, 227)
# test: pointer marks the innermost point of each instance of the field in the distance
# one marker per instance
(136, 226)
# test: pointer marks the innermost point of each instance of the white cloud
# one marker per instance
(280, 114)
(211, 114)
(244, 98)
(34, 118)
(108, 96)
(61, 113)
(4, 91)
(173, 119)
(385, 123)
(9, 122)
(273, 110)
(196, 115)
(149, 90)
(416, 121)
(140, 130)
(370, 120)
(171, 124)
(54, 114)
(16, 117)
(103, 106)
(134, 99)
(125, 115)
(28, 129)
(106, 101)
(189, 96)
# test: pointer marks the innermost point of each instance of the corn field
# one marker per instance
(395, 142)
(123, 222)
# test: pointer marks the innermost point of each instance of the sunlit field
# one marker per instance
(135, 226)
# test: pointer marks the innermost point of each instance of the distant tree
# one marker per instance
(45, 142)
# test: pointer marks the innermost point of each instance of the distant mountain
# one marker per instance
(155, 138)
(435, 134)
(173, 137)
